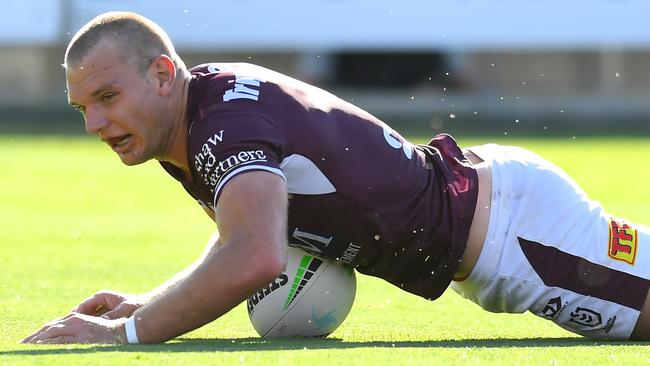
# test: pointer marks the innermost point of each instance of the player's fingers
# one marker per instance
(59, 340)
(71, 325)
(122, 311)
(58, 330)
(29, 337)
(95, 305)
(86, 306)
(100, 302)
(45, 327)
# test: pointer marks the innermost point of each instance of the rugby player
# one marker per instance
(274, 161)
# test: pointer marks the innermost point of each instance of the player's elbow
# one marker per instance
(275, 263)
(268, 263)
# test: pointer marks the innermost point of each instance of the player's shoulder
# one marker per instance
(231, 93)
(216, 72)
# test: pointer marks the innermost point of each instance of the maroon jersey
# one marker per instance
(359, 193)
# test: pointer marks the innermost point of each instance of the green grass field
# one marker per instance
(74, 221)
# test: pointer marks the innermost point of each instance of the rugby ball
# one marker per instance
(311, 298)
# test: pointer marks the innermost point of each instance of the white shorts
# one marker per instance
(553, 252)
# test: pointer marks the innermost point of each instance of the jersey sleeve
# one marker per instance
(227, 144)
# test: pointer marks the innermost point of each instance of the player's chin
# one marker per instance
(131, 158)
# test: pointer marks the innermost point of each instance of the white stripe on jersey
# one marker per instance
(304, 177)
(225, 179)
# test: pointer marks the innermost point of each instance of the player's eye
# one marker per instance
(107, 97)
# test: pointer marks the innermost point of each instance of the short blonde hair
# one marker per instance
(138, 39)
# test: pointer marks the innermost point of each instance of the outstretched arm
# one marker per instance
(251, 216)
(251, 252)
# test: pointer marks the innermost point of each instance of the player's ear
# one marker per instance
(164, 72)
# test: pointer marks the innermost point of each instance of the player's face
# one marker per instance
(119, 104)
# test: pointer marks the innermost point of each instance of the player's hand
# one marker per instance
(110, 305)
(79, 328)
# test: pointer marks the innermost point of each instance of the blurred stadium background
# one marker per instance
(476, 66)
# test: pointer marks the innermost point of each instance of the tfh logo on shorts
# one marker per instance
(622, 242)
(586, 317)
(246, 87)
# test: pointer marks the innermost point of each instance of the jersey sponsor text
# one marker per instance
(212, 176)
(246, 87)
(205, 159)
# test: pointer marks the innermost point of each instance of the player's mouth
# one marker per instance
(120, 143)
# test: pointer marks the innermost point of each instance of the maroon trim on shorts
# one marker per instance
(559, 269)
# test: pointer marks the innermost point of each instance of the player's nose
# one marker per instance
(95, 121)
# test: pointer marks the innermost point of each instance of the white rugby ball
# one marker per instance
(311, 298)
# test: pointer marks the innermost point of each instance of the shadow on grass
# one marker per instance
(191, 345)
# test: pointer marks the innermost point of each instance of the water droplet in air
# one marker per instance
(452, 115)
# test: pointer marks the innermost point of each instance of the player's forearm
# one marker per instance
(218, 284)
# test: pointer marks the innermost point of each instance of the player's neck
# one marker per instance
(177, 150)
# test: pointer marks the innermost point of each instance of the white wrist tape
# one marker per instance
(131, 334)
